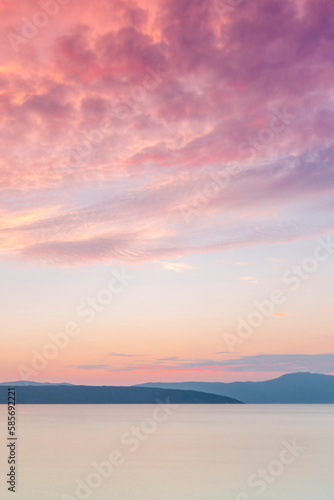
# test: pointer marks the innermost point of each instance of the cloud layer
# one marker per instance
(259, 363)
(138, 132)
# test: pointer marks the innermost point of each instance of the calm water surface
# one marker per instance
(193, 452)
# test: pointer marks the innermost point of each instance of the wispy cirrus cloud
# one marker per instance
(178, 267)
(89, 367)
(117, 354)
(274, 363)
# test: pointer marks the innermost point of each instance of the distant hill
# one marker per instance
(81, 394)
(294, 388)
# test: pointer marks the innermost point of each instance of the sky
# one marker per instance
(166, 180)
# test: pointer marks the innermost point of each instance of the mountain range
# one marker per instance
(293, 388)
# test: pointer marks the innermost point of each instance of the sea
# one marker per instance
(169, 452)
